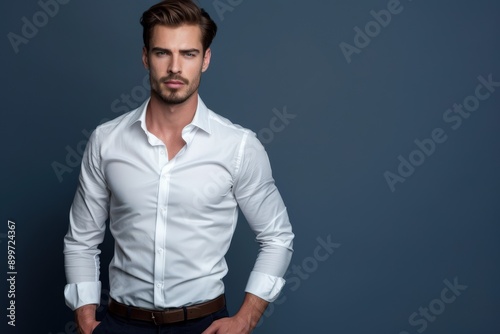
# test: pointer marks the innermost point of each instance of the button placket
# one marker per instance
(161, 227)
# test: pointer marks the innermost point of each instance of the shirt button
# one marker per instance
(160, 250)
(162, 152)
(158, 285)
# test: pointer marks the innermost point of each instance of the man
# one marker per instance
(170, 177)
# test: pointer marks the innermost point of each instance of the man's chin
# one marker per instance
(174, 99)
(172, 96)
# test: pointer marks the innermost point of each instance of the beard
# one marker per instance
(173, 95)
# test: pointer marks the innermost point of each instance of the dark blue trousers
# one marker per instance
(112, 324)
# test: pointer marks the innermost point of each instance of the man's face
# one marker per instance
(175, 60)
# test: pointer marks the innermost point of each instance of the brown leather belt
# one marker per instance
(168, 316)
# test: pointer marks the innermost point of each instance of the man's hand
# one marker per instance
(232, 325)
(244, 321)
(85, 319)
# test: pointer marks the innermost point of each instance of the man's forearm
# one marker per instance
(85, 318)
(252, 309)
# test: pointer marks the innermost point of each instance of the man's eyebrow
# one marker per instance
(190, 51)
(158, 49)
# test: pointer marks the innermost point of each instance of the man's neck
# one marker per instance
(162, 117)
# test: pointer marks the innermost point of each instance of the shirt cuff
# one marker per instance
(264, 286)
(83, 293)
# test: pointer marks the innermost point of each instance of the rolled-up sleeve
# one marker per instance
(87, 220)
(263, 208)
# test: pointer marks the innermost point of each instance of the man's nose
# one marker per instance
(174, 66)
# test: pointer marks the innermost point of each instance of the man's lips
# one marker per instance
(174, 83)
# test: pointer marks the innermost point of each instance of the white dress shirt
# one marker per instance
(173, 221)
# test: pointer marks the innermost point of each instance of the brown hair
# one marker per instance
(175, 13)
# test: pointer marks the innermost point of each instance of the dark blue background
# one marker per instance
(352, 121)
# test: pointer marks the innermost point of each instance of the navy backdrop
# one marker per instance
(381, 120)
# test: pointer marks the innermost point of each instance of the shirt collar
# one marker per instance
(201, 117)
(200, 120)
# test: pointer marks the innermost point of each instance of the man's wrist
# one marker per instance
(85, 314)
(251, 310)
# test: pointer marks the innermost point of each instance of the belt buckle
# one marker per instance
(154, 319)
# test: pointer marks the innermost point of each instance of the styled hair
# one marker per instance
(174, 13)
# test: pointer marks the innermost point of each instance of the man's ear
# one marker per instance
(206, 59)
(145, 60)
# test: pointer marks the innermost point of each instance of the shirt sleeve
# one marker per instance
(87, 224)
(263, 208)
